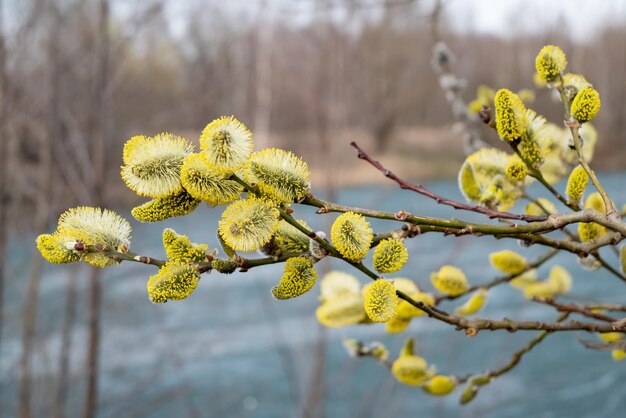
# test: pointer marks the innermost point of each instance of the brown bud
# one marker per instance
(485, 115)
(401, 215)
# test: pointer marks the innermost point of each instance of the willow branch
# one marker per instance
(202, 267)
(538, 175)
(608, 204)
(608, 267)
(119, 256)
(474, 325)
(574, 126)
(573, 308)
(606, 306)
(418, 188)
(528, 233)
(582, 249)
(549, 224)
(596, 345)
(574, 237)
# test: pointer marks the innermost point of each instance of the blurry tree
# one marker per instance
(78, 77)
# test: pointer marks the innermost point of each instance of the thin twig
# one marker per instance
(603, 346)
(418, 188)
(527, 232)
(517, 356)
(574, 127)
(606, 307)
(573, 308)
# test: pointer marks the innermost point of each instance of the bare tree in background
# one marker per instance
(73, 70)
(41, 219)
(101, 129)
(4, 165)
(263, 80)
(63, 381)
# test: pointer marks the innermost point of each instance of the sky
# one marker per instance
(581, 18)
(507, 18)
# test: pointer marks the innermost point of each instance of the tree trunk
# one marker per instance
(263, 104)
(100, 125)
(4, 159)
(66, 344)
(41, 219)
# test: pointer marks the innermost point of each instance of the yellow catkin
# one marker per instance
(542, 207)
(341, 311)
(529, 147)
(411, 369)
(226, 144)
(474, 304)
(516, 169)
(290, 240)
(618, 355)
(576, 184)
(483, 180)
(404, 285)
(468, 184)
(595, 201)
(397, 324)
(152, 164)
(335, 284)
(381, 301)
(390, 256)
(449, 280)
(53, 248)
(539, 289)
(526, 95)
(468, 394)
(508, 261)
(573, 83)
(524, 279)
(98, 227)
(279, 175)
(224, 266)
(406, 310)
(586, 105)
(204, 183)
(178, 247)
(611, 337)
(440, 385)
(352, 236)
(590, 231)
(174, 281)
(510, 115)
(179, 204)
(299, 276)
(550, 63)
(248, 224)
(560, 279)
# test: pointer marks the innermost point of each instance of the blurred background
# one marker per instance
(80, 77)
